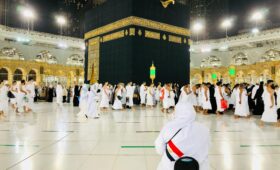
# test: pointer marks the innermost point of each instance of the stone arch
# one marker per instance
(197, 79)
(32, 75)
(18, 75)
(253, 76)
(4, 74)
(208, 78)
(265, 75)
(240, 77)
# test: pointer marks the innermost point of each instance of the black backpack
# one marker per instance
(184, 162)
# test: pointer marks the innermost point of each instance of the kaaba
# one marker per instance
(125, 37)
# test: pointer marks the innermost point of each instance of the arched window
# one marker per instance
(31, 75)
(3, 74)
(17, 75)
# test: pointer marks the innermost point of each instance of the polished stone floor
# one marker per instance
(52, 138)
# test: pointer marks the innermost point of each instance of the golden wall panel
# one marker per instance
(132, 31)
(114, 36)
(153, 35)
(175, 39)
(93, 59)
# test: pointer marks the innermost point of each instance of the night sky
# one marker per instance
(240, 9)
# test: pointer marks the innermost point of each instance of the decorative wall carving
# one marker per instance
(75, 60)
(46, 56)
(240, 59)
(10, 53)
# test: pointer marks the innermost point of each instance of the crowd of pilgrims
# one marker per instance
(243, 99)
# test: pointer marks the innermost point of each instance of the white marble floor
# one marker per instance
(52, 138)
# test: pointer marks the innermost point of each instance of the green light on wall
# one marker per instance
(232, 72)
(214, 76)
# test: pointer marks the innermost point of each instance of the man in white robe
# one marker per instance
(83, 101)
(219, 97)
(92, 107)
(270, 108)
(59, 94)
(143, 93)
(105, 97)
(165, 95)
(21, 97)
(192, 139)
(30, 88)
(129, 95)
(4, 100)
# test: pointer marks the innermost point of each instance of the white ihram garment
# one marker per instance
(83, 101)
(269, 114)
(105, 98)
(206, 104)
(129, 95)
(243, 108)
(92, 103)
(150, 96)
(193, 140)
(143, 94)
(59, 94)
(117, 103)
(4, 100)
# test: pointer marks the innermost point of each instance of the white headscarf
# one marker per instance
(184, 118)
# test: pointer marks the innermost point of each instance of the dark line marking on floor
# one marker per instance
(228, 131)
(73, 122)
(57, 131)
(137, 147)
(17, 163)
(5, 130)
(247, 146)
(13, 145)
(154, 116)
(147, 131)
(128, 122)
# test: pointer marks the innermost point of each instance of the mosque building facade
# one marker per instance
(243, 58)
(46, 58)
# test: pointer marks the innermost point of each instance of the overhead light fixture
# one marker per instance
(206, 49)
(24, 40)
(62, 45)
(223, 48)
(255, 30)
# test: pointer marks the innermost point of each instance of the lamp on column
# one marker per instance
(152, 72)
